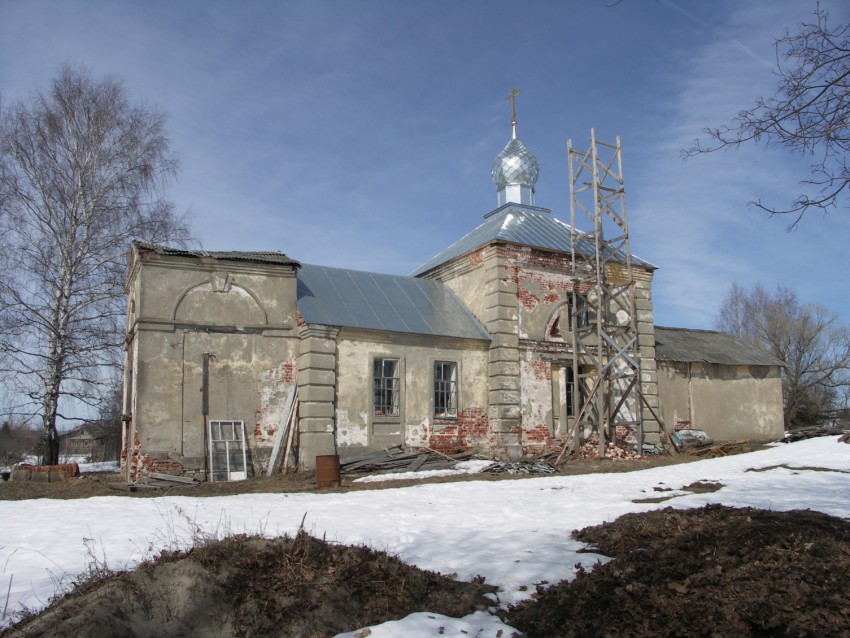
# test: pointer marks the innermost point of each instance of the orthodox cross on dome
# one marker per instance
(515, 169)
(512, 98)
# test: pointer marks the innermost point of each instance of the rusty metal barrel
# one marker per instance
(327, 471)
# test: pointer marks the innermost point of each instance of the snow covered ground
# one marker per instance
(515, 533)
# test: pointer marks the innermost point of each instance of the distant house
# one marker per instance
(714, 382)
(95, 441)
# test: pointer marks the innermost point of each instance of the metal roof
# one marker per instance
(707, 346)
(374, 301)
(519, 224)
(269, 257)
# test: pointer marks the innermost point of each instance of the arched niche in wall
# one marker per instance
(220, 302)
(559, 327)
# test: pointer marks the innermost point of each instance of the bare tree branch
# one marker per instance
(809, 114)
(807, 337)
(81, 175)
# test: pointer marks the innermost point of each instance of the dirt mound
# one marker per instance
(251, 586)
(715, 571)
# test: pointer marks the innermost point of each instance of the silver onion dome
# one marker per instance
(515, 171)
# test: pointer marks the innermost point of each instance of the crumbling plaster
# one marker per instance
(727, 402)
(183, 309)
(523, 290)
(415, 426)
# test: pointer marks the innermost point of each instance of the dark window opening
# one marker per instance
(575, 312)
(385, 387)
(445, 389)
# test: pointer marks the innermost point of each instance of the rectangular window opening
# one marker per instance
(385, 387)
(566, 395)
(578, 306)
(445, 389)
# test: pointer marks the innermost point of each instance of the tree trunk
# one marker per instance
(50, 411)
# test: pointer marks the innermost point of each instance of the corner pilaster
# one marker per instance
(648, 369)
(316, 393)
(501, 318)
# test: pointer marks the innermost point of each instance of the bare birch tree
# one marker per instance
(807, 337)
(809, 114)
(81, 175)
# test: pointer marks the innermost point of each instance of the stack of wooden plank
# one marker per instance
(520, 467)
(156, 481)
(397, 459)
(829, 429)
(722, 449)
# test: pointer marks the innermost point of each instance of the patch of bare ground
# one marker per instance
(714, 571)
(88, 485)
(250, 586)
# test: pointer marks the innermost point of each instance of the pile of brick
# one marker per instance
(45, 473)
(614, 452)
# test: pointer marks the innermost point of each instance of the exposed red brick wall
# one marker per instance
(271, 384)
(165, 465)
(539, 276)
(541, 370)
(501, 441)
(538, 439)
(69, 469)
(469, 432)
(132, 457)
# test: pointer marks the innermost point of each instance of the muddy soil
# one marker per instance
(88, 485)
(250, 586)
(715, 571)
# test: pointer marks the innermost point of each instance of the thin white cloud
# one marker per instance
(698, 225)
(723, 34)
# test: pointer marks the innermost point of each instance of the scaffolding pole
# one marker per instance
(606, 358)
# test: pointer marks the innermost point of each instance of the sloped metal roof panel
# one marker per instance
(518, 224)
(707, 346)
(374, 301)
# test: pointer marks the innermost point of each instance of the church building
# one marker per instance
(233, 357)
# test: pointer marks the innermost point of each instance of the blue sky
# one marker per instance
(360, 134)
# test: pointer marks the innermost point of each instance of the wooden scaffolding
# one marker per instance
(606, 358)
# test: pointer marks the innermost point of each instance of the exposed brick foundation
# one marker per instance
(471, 428)
(165, 465)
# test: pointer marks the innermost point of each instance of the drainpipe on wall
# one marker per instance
(205, 410)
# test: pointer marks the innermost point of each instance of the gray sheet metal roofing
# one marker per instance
(519, 224)
(268, 257)
(357, 299)
(707, 346)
